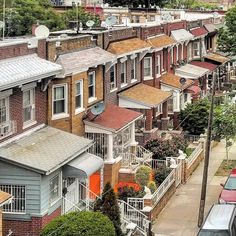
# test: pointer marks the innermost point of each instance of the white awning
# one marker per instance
(25, 69)
(181, 35)
(189, 71)
(83, 166)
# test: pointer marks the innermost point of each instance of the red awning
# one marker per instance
(203, 64)
(199, 31)
(194, 89)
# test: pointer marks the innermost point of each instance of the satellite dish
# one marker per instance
(42, 31)
(98, 109)
(111, 20)
(90, 23)
(1, 24)
(166, 17)
(215, 14)
(182, 81)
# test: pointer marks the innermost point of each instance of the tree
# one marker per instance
(227, 35)
(194, 117)
(80, 223)
(135, 3)
(108, 205)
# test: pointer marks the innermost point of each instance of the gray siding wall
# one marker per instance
(10, 174)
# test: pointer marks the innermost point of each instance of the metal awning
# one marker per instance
(189, 71)
(83, 166)
(181, 35)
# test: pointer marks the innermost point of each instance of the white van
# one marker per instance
(220, 221)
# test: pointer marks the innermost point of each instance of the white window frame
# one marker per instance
(113, 85)
(158, 65)
(159, 110)
(133, 67)
(147, 77)
(190, 51)
(123, 71)
(59, 187)
(162, 62)
(32, 121)
(172, 55)
(81, 108)
(196, 49)
(65, 113)
(182, 51)
(7, 110)
(92, 98)
(177, 53)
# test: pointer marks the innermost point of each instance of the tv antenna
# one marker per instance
(42, 31)
(90, 23)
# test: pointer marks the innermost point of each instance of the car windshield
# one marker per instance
(230, 183)
(213, 233)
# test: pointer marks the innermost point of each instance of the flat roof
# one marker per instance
(161, 41)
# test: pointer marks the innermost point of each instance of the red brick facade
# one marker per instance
(31, 227)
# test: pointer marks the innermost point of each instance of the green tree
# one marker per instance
(135, 3)
(108, 205)
(80, 223)
(194, 117)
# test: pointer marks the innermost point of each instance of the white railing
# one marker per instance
(143, 153)
(129, 160)
(68, 206)
(194, 155)
(192, 138)
(155, 163)
(137, 203)
(131, 215)
(162, 189)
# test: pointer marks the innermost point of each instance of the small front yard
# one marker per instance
(225, 168)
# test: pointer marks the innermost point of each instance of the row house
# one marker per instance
(40, 166)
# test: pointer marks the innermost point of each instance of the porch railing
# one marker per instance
(137, 203)
(155, 163)
(129, 160)
(194, 155)
(192, 138)
(68, 206)
(143, 153)
(129, 214)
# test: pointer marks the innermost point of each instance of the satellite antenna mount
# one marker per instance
(90, 23)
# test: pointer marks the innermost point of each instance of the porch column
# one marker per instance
(110, 148)
(87, 193)
(133, 142)
(165, 118)
(148, 122)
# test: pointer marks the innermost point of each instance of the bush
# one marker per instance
(160, 174)
(152, 186)
(80, 223)
(180, 142)
(142, 175)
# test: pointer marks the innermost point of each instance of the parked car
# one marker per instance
(220, 221)
(228, 193)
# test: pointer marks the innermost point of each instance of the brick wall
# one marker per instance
(31, 227)
(174, 26)
(150, 31)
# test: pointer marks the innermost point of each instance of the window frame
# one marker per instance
(7, 105)
(196, 49)
(158, 65)
(133, 68)
(172, 55)
(81, 108)
(92, 98)
(147, 77)
(123, 65)
(113, 85)
(190, 51)
(59, 187)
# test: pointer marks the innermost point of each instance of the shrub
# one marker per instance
(161, 173)
(152, 186)
(142, 175)
(80, 223)
(180, 142)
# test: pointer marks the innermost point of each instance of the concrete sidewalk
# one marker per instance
(180, 216)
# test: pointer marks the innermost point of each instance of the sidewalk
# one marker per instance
(180, 216)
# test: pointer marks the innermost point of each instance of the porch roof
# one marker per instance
(80, 61)
(44, 151)
(217, 58)
(210, 28)
(25, 69)
(181, 35)
(128, 46)
(114, 118)
(83, 166)
(190, 71)
(173, 80)
(4, 198)
(199, 31)
(204, 64)
(161, 41)
(143, 96)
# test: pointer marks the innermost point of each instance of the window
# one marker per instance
(4, 110)
(59, 99)
(158, 65)
(170, 105)
(123, 73)
(79, 95)
(182, 51)
(133, 70)
(152, 18)
(54, 189)
(196, 49)
(171, 55)
(185, 97)
(190, 51)
(17, 204)
(112, 78)
(91, 85)
(177, 52)
(29, 105)
(147, 67)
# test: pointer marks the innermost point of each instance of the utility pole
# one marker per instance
(207, 156)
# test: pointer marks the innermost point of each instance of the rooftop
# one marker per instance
(203, 64)
(217, 57)
(161, 41)
(199, 31)
(181, 35)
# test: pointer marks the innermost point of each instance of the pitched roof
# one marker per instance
(76, 62)
(199, 31)
(174, 81)
(120, 118)
(21, 70)
(161, 41)
(4, 197)
(145, 95)
(181, 35)
(210, 28)
(217, 57)
(128, 46)
(203, 64)
(44, 150)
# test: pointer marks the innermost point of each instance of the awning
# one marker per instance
(204, 64)
(25, 69)
(128, 47)
(172, 80)
(143, 96)
(199, 31)
(161, 41)
(194, 89)
(217, 58)
(210, 28)
(181, 35)
(189, 71)
(76, 62)
(83, 166)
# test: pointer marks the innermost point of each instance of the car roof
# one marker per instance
(219, 217)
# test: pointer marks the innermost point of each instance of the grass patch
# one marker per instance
(225, 168)
(189, 151)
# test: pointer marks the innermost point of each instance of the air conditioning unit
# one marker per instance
(4, 130)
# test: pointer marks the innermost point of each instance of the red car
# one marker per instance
(228, 193)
